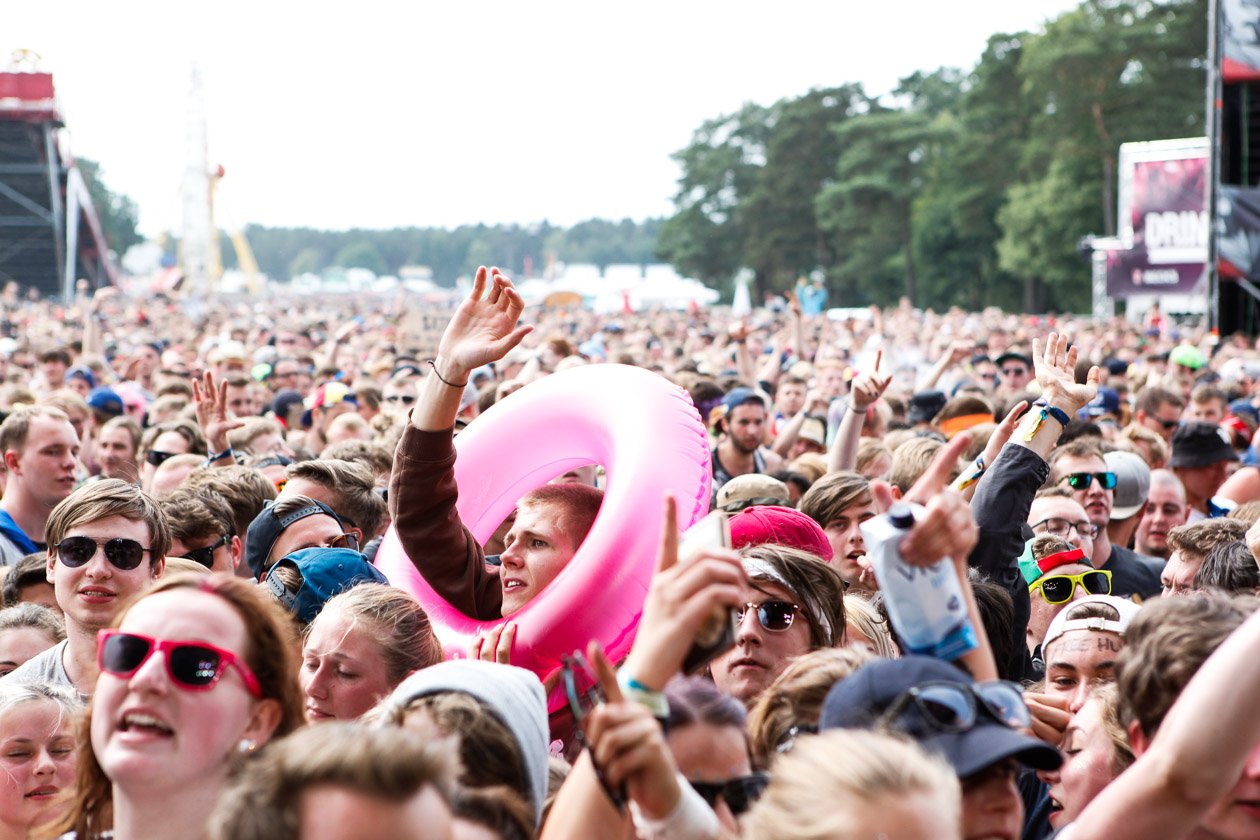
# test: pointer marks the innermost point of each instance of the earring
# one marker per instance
(247, 745)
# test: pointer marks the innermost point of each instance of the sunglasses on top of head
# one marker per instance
(192, 665)
(124, 553)
(955, 707)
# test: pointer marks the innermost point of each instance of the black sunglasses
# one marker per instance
(739, 793)
(1019, 371)
(1082, 480)
(124, 553)
(405, 399)
(1169, 424)
(953, 707)
(205, 554)
(156, 458)
(775, 616)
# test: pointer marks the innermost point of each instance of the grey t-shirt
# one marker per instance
(48, 667)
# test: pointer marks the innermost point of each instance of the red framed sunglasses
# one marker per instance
(193, 666)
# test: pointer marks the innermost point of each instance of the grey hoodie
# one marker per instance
(513, 694)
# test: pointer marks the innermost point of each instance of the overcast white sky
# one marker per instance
(384, 114)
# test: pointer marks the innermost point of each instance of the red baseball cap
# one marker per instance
(762, 524)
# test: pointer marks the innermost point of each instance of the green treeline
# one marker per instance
(283, 253)
(956, 189)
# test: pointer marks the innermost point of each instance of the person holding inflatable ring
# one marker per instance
(551, 521)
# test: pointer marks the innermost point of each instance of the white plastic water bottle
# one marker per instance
(925, 603)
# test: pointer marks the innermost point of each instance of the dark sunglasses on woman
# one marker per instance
(739, 793)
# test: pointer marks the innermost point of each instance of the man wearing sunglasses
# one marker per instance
(107, 543)
(40, 451)
(1159, 410)
(974, 726)
(1080, 467)
(202, 529)
(289, 525)
(1054, 581)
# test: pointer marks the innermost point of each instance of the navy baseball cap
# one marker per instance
(859, 700)
(325, 572)
(266, 528)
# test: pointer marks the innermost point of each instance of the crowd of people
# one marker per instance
(195, 640)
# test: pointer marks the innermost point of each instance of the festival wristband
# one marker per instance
(215, 457)
(1057, 414)
(637, 692)
(965, 480)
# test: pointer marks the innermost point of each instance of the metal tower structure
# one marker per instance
(50, 234)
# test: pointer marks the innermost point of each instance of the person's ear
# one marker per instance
(49, 570)
(11, 461)
(263, 721)
(237, 548)
(1138, 740)
(158, 568)
(358, 532)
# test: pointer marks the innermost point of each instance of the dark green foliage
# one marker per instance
(965, 189)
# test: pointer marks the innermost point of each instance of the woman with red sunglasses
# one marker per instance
(198, 672)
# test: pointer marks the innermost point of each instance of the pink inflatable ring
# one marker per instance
(649, 438)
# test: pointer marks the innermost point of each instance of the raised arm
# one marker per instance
(483, 330)
(423, 493)
(865, 391)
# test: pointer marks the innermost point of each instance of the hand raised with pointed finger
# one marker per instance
(210, 401)
(1055, 369)
(680, 599)
(869, 386)
(484, 327)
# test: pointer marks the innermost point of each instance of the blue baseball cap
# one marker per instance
(325, 572)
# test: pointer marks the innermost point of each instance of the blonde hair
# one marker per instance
(820, 785)
(794, 700)
(397, 623)
(859, 612)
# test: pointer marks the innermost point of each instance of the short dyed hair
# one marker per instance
(103, 499)
(818, 785)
